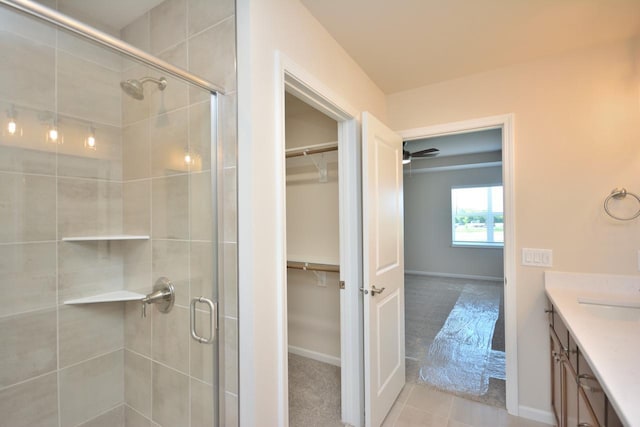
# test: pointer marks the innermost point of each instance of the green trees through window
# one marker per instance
(477, 217)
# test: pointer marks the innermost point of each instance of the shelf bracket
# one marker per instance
(321, 277)
(320, 162)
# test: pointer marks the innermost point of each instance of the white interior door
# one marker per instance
(383, 280)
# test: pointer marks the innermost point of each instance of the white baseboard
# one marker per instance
(453, 275)
(320, 357)
(536, 415)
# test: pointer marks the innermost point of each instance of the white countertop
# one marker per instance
(609, 338)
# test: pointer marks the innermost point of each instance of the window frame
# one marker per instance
(489, 213)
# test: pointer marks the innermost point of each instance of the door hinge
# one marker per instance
(341, 284)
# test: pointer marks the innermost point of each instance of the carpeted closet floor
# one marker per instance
(314, 393)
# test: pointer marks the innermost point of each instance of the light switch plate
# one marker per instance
(537, 257)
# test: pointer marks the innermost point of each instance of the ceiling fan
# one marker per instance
(407, 156)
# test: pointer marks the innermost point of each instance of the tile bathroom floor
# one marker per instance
(420, 405)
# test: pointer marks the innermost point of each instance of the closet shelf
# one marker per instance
(104, 237)
(312, 266)
(107, 297)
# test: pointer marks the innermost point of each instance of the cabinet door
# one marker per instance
(556, 378)
(570, 394)
(612, 417)
(585, 415)
(592, 390)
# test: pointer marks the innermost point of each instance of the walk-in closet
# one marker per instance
(313, 271)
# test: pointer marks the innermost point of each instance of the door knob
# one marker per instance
(375, 291)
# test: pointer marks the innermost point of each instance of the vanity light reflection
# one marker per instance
(191, 159)
(90, 141)
(12, 128)
(53, 134)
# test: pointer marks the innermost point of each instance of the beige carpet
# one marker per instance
(314, 393)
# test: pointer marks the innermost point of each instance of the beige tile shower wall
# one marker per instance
(60, 365)
(162, 362)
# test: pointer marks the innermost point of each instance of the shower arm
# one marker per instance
(161, 82)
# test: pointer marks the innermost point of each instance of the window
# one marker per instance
(476, 216)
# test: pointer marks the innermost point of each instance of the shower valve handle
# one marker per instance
(163, 296)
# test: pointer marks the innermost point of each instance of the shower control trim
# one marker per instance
(163, 296)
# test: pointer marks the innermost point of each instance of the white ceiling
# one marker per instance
(403, 44)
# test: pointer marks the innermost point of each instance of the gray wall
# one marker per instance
(427, 204)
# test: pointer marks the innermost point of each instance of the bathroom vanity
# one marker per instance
(594, 329)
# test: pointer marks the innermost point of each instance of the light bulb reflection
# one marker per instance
(188, 159)
(12, 127)
(53, 134)
(90, 141)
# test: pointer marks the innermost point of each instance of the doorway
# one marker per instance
(454, 228)
(297, 82)
(506, 305)
(313, 265)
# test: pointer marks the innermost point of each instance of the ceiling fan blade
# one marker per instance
(429, 152)
(406, 157)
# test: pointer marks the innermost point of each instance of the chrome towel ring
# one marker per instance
(620, 193)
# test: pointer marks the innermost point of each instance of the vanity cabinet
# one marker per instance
(577, 399)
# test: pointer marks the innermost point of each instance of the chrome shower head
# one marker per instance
(133, 87)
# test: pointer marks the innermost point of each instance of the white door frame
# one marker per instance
(506, 123)
(305, 86)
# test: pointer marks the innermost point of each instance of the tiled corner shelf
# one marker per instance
(105, 237)
(107, 297)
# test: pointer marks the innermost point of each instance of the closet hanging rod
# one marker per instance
(309, 151)
(312, 266)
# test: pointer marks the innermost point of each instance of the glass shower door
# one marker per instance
(108, 183)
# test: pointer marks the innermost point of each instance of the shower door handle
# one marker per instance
(213, 320)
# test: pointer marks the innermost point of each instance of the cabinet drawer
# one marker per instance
(561, 331)
(572, 354)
